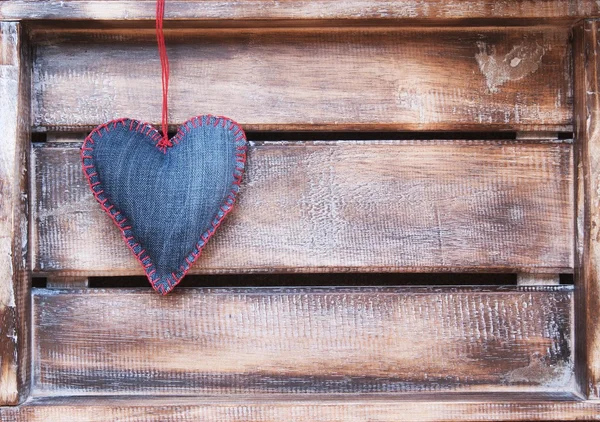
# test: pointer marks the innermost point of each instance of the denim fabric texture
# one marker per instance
(167, 202)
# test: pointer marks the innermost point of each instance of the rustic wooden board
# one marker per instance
(15, 81)
(343, 206)
(302, 341)
(306, 79)
(407, 10)
(587, 113)
(323, 409)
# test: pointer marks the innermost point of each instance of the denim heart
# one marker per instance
(166, 201)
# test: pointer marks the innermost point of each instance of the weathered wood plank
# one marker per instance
(406, 10)
(298, 79)
(302, 341)
(527, 279)
(15, 69)
(322, 409)
(65, 282)
(344, 206)
(587, 275)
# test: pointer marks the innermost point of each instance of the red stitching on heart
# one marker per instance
(225, 209)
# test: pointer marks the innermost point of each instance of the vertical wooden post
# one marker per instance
(15, 280)
(587, 243)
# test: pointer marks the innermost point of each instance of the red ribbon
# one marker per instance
(164, 64)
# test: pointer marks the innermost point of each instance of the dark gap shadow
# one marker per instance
(39, 282)
(39, 137)
(567, 279)
(317, 279)
(375, 136)
(274, 136)
(566, 135)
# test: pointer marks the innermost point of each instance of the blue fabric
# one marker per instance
(166, 202)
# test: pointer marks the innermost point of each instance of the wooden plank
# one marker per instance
(536, 136)
(14, 288)
(266, 10)
(323, 409)
(384, 206)
(67, 282)
(587, 277)
(302, 341)
(526, 279)
(307, 79)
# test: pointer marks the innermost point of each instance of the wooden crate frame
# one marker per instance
(581, 403)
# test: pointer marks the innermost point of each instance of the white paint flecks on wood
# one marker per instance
(345, 205)
(309, 79)
(66, 282)
(587, 273)
(525, 279)
(362, 206)
(418, 408)
(521, 61)
(409, 11)
(15, 283)
(302, 341)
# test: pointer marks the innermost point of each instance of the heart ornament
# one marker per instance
(167, 201)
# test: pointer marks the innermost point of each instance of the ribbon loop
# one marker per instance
(164, 64)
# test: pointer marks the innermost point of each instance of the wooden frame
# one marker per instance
(15, 62)
(587, 111)
(431, 11)
(525, 400)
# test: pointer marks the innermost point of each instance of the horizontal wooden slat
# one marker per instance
(437, 10)
(301, 341)
(315, 410)
(298, 79)
(340, 206)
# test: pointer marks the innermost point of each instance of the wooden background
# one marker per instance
(387, 137)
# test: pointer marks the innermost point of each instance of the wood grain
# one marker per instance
(266, 10)
(308, 79)
(66, 282)
(524, 279)
(321, 409)
(343, 206)
(15, 69)
(302, 341)
(587, 275)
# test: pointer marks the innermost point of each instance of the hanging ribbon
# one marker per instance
(164, 65)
